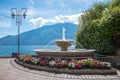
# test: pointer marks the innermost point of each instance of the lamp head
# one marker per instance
(24, 15)
(13, 15)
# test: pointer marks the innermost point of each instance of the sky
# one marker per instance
(41, 12)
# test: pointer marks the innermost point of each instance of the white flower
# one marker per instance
(71, 64)
(52, 63)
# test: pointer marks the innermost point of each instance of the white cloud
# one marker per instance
(40, 21)
(4, 22)
(31, 12)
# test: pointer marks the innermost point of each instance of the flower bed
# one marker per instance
(62, 63)
(77, 66)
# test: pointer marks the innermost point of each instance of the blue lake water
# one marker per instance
(8, 50)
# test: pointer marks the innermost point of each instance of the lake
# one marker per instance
(8, 50)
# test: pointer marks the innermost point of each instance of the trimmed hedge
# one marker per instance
(102, 34)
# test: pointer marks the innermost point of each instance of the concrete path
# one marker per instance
(9, 70)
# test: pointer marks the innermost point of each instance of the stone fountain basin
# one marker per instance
(69, 53)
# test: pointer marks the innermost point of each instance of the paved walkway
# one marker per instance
(9, 70)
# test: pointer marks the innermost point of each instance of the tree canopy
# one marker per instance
(100, 28)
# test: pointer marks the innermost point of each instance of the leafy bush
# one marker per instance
(101, 34)
(100, 28)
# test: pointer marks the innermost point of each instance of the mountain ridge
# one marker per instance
(42, 35)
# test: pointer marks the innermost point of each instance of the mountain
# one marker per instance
(42, 36)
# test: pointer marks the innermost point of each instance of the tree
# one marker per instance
(101, 31)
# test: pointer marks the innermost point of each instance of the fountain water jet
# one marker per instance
(63, 34)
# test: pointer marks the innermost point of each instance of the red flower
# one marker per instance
(42, 62)
(59, 64)
(78, 66)
(94, 65)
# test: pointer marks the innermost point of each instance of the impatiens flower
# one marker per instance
(94, 65)
(64, 62)
(78, 66)
(52, 63)
(71, 65)
(107, 64)
(84, 61)
(42, 62)
(28, 58)
(35, 61)
(59, 64)
(80, 62)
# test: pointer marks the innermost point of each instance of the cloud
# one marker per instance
(31, 12)
(40, 21)
(4, 22)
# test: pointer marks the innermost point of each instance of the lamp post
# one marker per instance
(18, 14)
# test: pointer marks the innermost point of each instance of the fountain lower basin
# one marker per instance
(69, 53)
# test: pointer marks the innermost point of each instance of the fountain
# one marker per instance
(64, 52)
(66, 61)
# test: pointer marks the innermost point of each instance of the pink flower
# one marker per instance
(42, 62)
(59, 64)
(78, 66)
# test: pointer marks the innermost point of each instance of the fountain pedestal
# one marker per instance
(63, 44)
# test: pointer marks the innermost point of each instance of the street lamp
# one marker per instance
(18, 14)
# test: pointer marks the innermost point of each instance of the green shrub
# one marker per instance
(101, 34)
